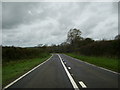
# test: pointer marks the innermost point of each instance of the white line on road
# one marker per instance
(95, 65)
(69, 67)
(82, 84)
(70, 77)
(65, 62)
(100, 67)
(25, 74)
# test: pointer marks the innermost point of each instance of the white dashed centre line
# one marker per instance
(69, 67)
(82, 84)
(69, 75)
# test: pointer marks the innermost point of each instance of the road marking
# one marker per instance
(69, 67)
(82, 84)
(95, 65)
(65, 62)
(69, 76)
(100, 67)
(25, 74)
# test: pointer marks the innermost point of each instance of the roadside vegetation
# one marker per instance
(105, 62)
(18, 60)
(87, 46)
(104, 53)
(18, 53)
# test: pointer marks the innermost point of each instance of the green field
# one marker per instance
(13, 69)
(108, 63)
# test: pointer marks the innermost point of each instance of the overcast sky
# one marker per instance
(29, 24)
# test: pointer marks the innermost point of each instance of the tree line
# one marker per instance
(17, 53)
(87, 46)
(73, 44)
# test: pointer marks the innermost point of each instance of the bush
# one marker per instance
(17, 53)
(101, 48)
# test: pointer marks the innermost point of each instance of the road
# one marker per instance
(62, 71)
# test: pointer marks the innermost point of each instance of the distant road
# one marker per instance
(62, 71)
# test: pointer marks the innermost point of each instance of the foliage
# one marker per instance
(73, 44)
(117, 37)
(87, 46)
(101, 48)
(74, 36)
(14, 69)
(109, 63)
(18, 53)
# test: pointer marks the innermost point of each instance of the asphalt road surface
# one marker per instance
(62, 71)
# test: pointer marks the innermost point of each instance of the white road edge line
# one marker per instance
(95, 66)
(100, 67)
(25, 74)
(82, 84)
(69, 76)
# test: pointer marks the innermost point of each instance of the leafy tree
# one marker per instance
(117, 37)
(39, 45)
(88, 39)
(73, 36)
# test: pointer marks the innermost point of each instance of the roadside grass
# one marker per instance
(14, 69)
(108, 63)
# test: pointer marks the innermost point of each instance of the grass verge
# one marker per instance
(108, 63)
(14, 69)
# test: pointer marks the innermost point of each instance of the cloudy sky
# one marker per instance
(29, 24)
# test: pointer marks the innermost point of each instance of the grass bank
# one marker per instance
(108, 63)
(13, 69)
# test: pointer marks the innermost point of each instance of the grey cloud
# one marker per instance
(16, 13)
(29, 24)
